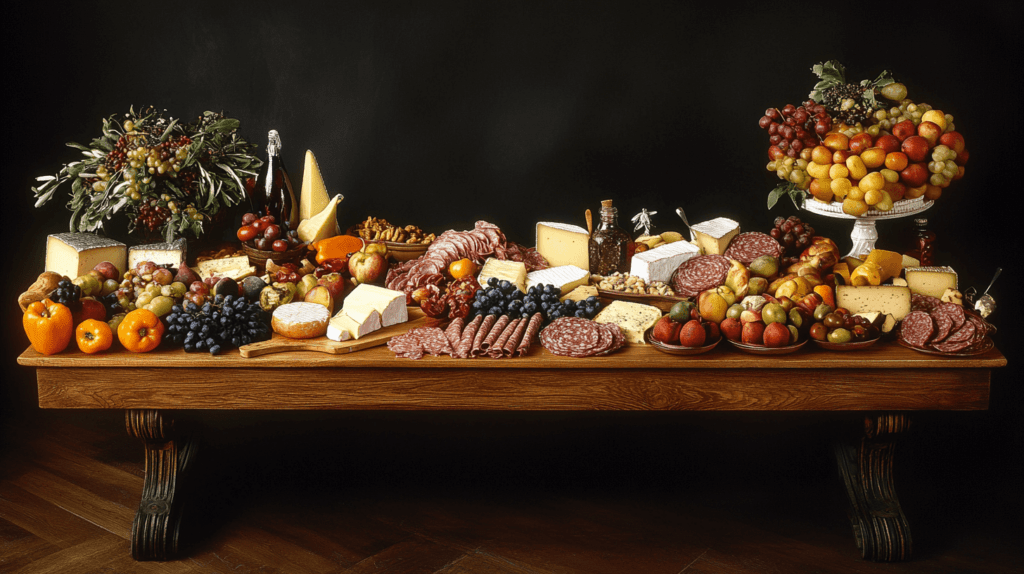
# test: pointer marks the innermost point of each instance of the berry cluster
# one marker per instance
(67, 294)
(794, 128)
(504, 298)
(226, 322)
(793, 234)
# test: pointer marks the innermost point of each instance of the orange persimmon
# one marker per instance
(462, 268)
(93, 336)
(140, 331)
(49, 326)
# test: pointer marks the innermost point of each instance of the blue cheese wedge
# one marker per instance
(75, 254)
(633, 318)
(659, 263)
(511, 271)
(167, 254)
(565, 277)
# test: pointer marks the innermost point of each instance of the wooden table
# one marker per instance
(884, 382)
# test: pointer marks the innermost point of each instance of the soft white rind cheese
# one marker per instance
(300, 320)
(633, 318)
(889, 299)
(931, 281)
(169, 254)
(565, 277)
(388, 302)
(512, 271)
(353, 321)
(75, 254)
(659, 263)
(563, 244)
(713, 236)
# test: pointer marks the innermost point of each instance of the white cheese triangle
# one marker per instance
(388, 302)
(323, 224)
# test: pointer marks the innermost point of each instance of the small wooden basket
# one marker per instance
(259, 257)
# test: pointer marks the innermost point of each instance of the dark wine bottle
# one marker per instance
(276, 187)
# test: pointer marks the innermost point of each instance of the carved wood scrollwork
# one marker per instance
(879, 525)
(169, 453)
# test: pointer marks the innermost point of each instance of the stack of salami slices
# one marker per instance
(746, 247)
(576, 337)
(700, 274)
(944, 327)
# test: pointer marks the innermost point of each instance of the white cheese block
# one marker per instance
(659, 263)
(580, 293)
(932, 281)
(909, 261)
(714, 236)
(563, 244)
(75, 254)
(512, 271)
(633, 318)
(167, 254)
(313, 198)
(230, 267)
(353, 321)
(300, 320)
(388, 302)
(889, 299)
(322, 225)
(565, 277)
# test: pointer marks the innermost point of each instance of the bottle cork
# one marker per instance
(606, 203)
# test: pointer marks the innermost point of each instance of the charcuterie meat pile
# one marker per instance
(490, 336)
(945, 327)
(575, 337)
(699, 274)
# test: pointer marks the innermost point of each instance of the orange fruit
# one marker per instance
(462, 268)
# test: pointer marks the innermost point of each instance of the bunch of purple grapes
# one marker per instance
(793, 129)
(794, 236)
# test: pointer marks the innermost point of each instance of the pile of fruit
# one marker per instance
(684, 326)
(265, 234)
(845, 145)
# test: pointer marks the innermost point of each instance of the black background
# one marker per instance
(443, 113)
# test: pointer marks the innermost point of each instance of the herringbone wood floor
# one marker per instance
(470, 493)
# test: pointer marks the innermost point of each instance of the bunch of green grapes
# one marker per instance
(791, 170)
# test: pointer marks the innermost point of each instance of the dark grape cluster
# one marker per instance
(224, 323)
(504, 298)
(67, 294)
(793, 234)
(847, 103)
(793, 129)
(152, 215)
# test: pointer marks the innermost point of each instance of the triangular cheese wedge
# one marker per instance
(322, 225)
(313, 198)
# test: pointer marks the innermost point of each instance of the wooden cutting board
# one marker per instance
(281, 344)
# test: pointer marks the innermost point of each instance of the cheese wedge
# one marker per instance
(580, 293)
(931, 281)
(75, 254)
(633, 318)
(230, 267)
(566, 277)
(713, 236)
(888, 299)
(313, 198)
(563, 244)
(322, 225)
(353, 321)
(512, 271)
(659, 263)
(388, 302)
(168, 254)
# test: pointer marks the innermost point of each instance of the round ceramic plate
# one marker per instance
(851, 346)
(762, 350)
(679, 349)
(985, 346)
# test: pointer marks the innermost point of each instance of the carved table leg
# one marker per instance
(879, 525)
(169, 452)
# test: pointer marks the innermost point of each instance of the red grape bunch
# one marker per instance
(794, 236)
(794, 129)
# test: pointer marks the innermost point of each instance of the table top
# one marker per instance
(883, 377)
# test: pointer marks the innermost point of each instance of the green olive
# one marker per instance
(839, 336)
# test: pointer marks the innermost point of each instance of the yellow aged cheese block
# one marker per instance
(714, 236)
(313, 198)
(323, 224)
(511, 271)
(931, 281)
(563, 244)
(170, 254)
(230, 267)
(633, 318)
(887, 299)
(580, 293)
(75, 254)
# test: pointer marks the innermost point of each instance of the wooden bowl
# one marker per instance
(398, 251)
(259, 257)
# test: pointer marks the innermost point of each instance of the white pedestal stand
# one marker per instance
(865, 234)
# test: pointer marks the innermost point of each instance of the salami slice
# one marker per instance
(980, 327)
(963, 334)
(951, 346)
(420, 341)
(917, 329)
(955, 312)
(943, 324)
(477, 349)
(747, 247)
(468, 334)
(454, 332)
(700, 274)
(571, 336)
(924, 303)
(497, 350)
(531, 331)
(509, 348)
(496, 331)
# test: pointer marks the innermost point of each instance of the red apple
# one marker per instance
(335, 283)
(896, 190)
(732, 329)
(914, 175)
(961, 157)
(750, 316)
(367, 267)
(753, 333)
(888, 142)
(904, 130)
(90, 309)
(931, 132)
(109, 271)
(860, 142)
(953, 140)
(916, 148)
(840, 156)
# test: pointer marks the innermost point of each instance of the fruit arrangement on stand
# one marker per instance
(865, 146)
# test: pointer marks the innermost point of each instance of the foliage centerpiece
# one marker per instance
(166, 176)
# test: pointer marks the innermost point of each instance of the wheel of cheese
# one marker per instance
(301, 320)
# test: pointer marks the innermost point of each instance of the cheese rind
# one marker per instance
(563, 244)
(300, 320)
(230, 267)
(659, 263)
(580, 293)
(353, 321)
(888, 299)
(322, 225)
(932, 281)
(313, 198)
(75, 254)
(168, 254)
(565, 277)
(633, 318)
(713, 236)
(388, 302)
(512, 271)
